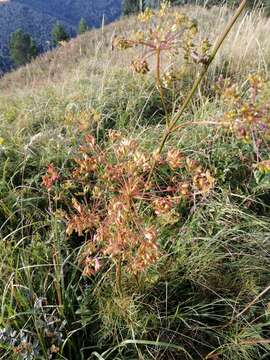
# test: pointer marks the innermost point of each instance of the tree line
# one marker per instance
(23, 48)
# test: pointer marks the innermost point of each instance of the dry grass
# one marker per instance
(246, 49)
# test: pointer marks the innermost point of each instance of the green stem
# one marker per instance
(159, 85)
(171, 128)
(206, 67)
(119, 276)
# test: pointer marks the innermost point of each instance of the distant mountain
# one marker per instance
(72, 10)
(38, 17)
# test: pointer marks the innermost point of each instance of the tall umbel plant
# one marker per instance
(121, 182)
(167, 37)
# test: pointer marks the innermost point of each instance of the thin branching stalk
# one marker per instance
(202, 74)
(173, 124)
(249, 305)
(119, 275)
(159, 86)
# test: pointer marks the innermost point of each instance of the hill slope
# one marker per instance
(38, 17)
(15, 15)
(72, 10)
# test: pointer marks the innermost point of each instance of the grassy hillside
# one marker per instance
(117, 247)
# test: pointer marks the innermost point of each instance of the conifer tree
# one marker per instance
(130, 7)
(59, 34)
(83, 27)
(22, 47)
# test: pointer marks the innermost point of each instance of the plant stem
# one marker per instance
(119, 275)
(206, 67)
(159, 85)
(171, 128)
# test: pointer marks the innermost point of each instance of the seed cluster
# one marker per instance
(110, 195)
(248, 114)
(165, 32)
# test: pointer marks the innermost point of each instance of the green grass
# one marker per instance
(192, 304)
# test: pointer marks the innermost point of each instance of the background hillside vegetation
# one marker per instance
(37, 18)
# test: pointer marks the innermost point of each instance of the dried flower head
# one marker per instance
(90, 266)
(193, 166)
(146, 15)
(121, 43)
(247, 116)
(140, 66)
(203, 182)
(110, 192)
(50, 178)
(168, 31)
(83, 220)
(148, 251)
(175, 158)
(263, 166)
(163, 205)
